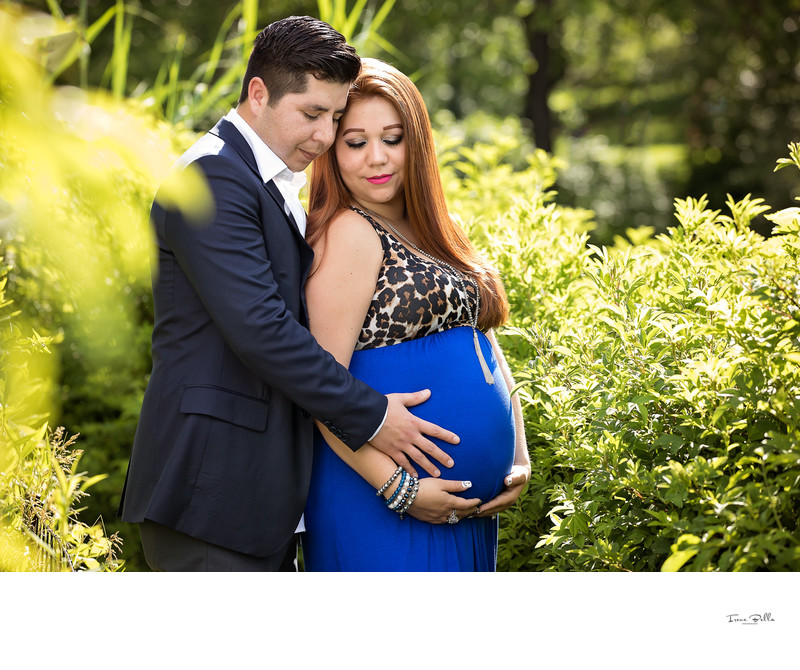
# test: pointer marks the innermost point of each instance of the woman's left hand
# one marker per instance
(516, 481)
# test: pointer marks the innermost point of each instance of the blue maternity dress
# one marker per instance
(416, 336)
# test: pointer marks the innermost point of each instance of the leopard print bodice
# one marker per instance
(414, 296)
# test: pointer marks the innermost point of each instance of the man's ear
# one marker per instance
(257, 93)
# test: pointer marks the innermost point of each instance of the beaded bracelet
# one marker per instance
(405, 493)
(400, 493)
(399, 488)
(407, 498)
(402, 509)
(389, 483)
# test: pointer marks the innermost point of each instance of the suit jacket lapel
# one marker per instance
(275, 192)
(229, 134)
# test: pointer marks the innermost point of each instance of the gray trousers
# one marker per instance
(167, 550)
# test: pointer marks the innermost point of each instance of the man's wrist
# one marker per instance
(378, 430)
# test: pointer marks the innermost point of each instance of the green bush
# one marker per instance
(77, 243)
(661, 383)
(40, 484)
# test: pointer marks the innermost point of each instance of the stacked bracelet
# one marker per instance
(398, 490)
(410, 496)
(388, 483)
(400, 493)
(405, 493)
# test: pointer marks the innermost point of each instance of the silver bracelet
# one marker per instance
(412, 496)
(400, 495)
(389, 483)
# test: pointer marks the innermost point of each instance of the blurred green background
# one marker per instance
(647, 99)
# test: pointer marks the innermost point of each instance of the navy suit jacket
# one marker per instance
(224, 443)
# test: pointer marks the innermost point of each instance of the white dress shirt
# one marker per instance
(270, 167)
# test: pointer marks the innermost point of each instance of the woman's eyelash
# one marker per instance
(391, 142)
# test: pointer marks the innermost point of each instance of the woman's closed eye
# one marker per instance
(391, 141)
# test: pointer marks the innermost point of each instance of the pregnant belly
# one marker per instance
(461, 401)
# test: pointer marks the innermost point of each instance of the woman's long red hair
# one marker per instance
(426, 208)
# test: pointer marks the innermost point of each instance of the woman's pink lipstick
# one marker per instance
(380, 179)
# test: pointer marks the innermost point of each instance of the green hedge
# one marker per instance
(661, 383)
(41, 484)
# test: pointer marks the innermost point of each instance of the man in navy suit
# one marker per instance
(220, 467)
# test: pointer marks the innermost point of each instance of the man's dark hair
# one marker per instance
(289, 49)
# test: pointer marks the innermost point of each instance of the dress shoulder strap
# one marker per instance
(378, 227)
(383, 235)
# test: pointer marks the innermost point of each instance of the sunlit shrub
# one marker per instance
(40, 484)
(77, 175)
(663, 404)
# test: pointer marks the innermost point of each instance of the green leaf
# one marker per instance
(679, 557)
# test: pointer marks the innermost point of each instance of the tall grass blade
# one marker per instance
(83, 56)
(78, 49)
(123, 30)
(381, 15)
(157, 92)
(225, 87)
(55, 9)
(94, 30)
(367, 40)
(325, 10)
(250, 18)
(388, 47)
(173, 95)
(339, 14)
(215, 55)
(349, 24)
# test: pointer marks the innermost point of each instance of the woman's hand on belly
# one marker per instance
(435, 500)
(515, 484)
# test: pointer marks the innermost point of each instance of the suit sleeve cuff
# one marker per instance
(378, 430)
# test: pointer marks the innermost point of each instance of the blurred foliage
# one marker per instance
(180, 63)
(721, 80)
(717, 86)
(626, 187)
(77, 176)
(40, 484)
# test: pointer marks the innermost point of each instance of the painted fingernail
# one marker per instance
(466, 484)
(508, 481)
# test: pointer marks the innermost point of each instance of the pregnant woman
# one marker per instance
(399, 295)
